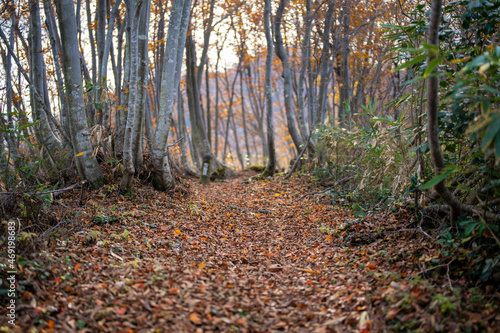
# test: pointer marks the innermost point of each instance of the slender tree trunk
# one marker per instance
(87, 165)
(243, 116)
(230, 106)
(101, 41)
(90, 109)
(12, 142)
(207, 92)
(132, 123)
(142, 91)
(217, 107)
(282, 54)
(236, 141)
(160, 54)
(182, 130)
(198, 129)
(256, 108)
(305, 62)
(271, 162)
(125, 88)
(206, 43)
(49, 142)
(176, 37)
(55, 43)
(325, 65)
(344, 80)
(104, 117)
(432, 117)
(311, 97)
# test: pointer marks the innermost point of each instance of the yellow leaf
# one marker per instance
(277, 195)
(177, 232)
(79, 154)
(457, 61)
(484, 68)
(195, 319)
(201, 265)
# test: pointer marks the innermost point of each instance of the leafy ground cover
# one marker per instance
(242, 256)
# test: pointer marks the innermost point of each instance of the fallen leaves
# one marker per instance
(120, 311)
(207, 265)
(194, 318)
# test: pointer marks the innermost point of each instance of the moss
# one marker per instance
(218, 174)
(257, 168)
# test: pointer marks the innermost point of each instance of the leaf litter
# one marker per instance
(242, 256)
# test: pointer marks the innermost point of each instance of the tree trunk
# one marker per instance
(198, 130)
(432, 117)
(11, 153)
(230, 90)
(142, 93)
(101, 41)
(103, 118)
(132, 124)
(86, 163)
(281, 53)
(305, 62)
(243, 116)
(181, 120)
(176, 37)
(49, 142)
(55, 43)
(271, 162)
(344, 80)
(90, 109)
(324, 65)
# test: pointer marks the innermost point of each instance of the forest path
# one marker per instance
(231, 256)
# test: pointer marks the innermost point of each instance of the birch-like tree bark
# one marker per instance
(282, 54)
(55, 43)
(90, 108)
(244, 119)
(86, 163)
(143, 37)
(271, 162)
(305, 62)
(257, 108)
(132, 129)
(11, 153)
(198, 129)
(230, 103)
(105, 44)
(50, 145)
(325, 66)
(176, 38)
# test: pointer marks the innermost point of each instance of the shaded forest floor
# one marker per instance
(241, 256)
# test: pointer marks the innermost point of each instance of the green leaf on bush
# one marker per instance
(412, 62)
(492, 131)
(438, 179)
(432, 66)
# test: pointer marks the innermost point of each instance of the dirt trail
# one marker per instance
(228, 257)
